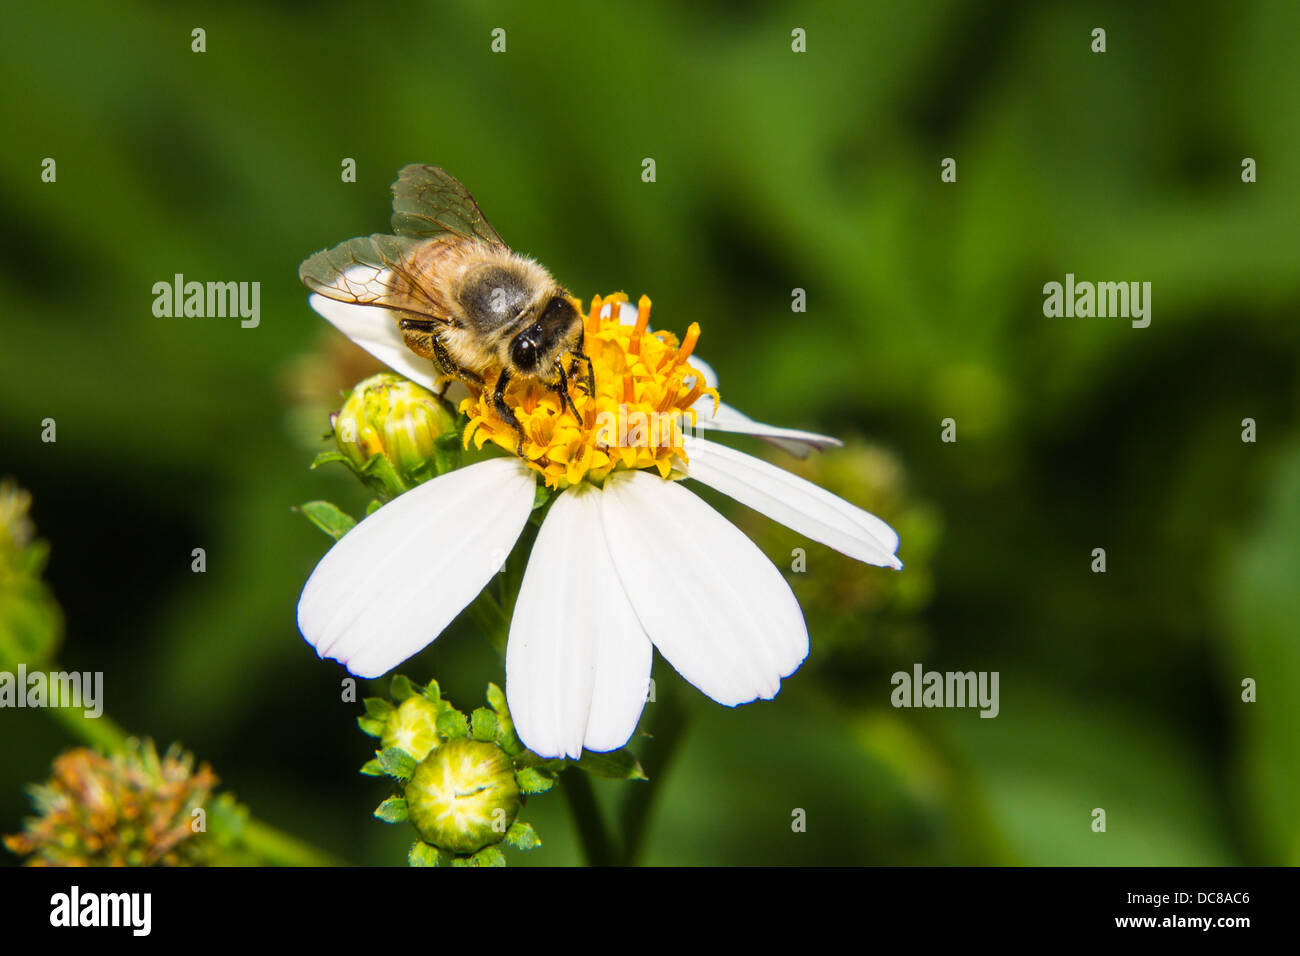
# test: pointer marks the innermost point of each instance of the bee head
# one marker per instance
(540, 345)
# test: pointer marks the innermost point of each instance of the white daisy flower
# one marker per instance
(626, 560)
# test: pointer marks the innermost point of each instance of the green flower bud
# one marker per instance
(463, 796)
(413, 726)
(413, 429)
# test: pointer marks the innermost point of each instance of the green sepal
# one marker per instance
(506, 737)
(392, 810)
(397, 763)
(522, 836)
(447, 450)
(496, 699)
(328, 517)
(535, 779)
(488, 856)
(325, 457)
(452, 723)
(373, 768)
(528, 758)
(615, 765)
(378, 708)
(371, 726)
(422, 854)
(380, 474)
(432, 691)
(483, 725)
(401, 688)
(541, 496)
(375, 505)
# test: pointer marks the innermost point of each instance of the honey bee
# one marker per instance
(480, 312)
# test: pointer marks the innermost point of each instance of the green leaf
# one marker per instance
(328, 517)
(616, 765)
(373, 768)
(375, 505)
(483, 725)
(535, 779)
(377, 707)
(392, 810)
(522, 836)
(422, 854)
(397, 763)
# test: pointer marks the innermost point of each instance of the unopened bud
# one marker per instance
(413, 726)
(404, 422)
(463, 796)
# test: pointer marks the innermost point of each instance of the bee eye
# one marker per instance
(553, 308)
(523, 353)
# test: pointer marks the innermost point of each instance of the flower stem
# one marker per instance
(669, 722)
(597, 845)
(100, 732)
(277, 848)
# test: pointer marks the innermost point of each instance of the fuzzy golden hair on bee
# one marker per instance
(479, 312)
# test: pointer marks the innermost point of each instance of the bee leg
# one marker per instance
(561, 388)
(420, 336)
(505, 412)
(448, 364)
(588, 380)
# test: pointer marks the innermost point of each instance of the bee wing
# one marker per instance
(372, 270)
(429, 202)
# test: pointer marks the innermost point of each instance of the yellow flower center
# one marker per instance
(644, 389)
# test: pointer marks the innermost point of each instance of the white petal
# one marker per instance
(728, 419)
(375, 330)
(390, 585)
(577, 663)
(714, 605)
(798, 504)
(455, 393)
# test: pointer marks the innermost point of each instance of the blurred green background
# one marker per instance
(775, 170)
